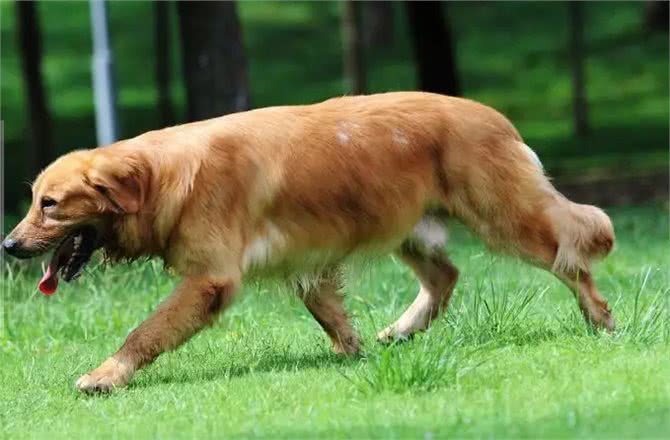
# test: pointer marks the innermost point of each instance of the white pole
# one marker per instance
(103, 79)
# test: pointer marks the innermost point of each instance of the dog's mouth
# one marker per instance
(69, 258)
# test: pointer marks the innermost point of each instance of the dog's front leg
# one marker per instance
(193, 305)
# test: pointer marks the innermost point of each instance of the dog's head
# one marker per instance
(75, 201)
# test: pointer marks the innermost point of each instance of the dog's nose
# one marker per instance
(16, 248)
(11, 246)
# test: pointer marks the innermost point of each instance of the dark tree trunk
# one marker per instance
(656, 15)
(214, 63)
(579, 99)
(354, 52)
(379, 24)
(162, 44)
(41, 152)
(434, 49)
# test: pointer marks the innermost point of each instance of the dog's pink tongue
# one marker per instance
(49, 282)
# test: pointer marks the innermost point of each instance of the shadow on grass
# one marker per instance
(202, 371)
(274, 362)
(522, 337)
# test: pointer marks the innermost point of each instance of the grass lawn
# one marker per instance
(511, 359)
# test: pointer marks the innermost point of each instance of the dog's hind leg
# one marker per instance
(424, 253)
(193, 305)
(593, 306)
(540, 246)
(325, 302)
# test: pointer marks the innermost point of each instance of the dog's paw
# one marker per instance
(104, 379)
(386, 336)
(608, 324)
(390, 334)
(348, 346)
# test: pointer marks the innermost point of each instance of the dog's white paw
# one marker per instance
(391, 334)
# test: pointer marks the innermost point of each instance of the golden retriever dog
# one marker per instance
(294, 191)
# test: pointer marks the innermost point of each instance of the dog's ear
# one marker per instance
(122, 181)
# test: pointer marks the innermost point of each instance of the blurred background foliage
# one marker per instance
(516, 57)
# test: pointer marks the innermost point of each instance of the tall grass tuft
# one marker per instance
(494, 314)
(425, 363)
(649, 321)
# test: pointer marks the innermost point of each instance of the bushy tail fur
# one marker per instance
(585, 233)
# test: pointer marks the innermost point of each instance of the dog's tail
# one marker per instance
(585, 233)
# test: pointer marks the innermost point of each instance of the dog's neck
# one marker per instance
(148, 232)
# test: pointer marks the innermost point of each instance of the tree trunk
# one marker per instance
(354, 52)
(214, 63)
(656, 15)
(162, 44)
(379, 23)
(30, 43)
(579, 99)
(433, 47)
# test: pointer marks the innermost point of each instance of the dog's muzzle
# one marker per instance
(16, 249)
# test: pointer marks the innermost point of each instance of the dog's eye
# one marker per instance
(47, 202)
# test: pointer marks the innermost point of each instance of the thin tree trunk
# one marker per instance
(30, 43)
(434, 49)
(162, 44)
(354, 52)
(214, 63)
(579, 99)
(379, 23)
(656, 15)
